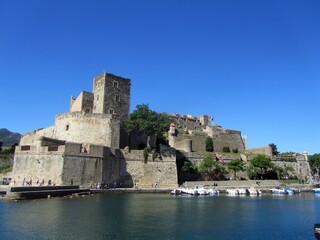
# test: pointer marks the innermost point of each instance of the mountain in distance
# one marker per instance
(8, 138)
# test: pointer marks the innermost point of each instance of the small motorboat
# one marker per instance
(232, 192)
(278, 191)
(316, 190)
(236, 192)
(292, 190)
(289, 191)
(253, 192)
(212, 192)
(317, 230)
(242, 192)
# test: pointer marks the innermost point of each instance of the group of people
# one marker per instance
(28, 183)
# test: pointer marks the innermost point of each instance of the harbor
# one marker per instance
(34, 192)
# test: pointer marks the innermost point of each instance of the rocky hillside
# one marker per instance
(8, 138)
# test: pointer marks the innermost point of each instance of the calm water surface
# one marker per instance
(161, 216)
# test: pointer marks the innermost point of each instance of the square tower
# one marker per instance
(111, 95)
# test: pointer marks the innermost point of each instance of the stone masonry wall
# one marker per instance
(117, 95)
(83, 103)
(100, 129)
(83, 170)
(134, 169)
(112, 95)
(32, 137)
(37, 166)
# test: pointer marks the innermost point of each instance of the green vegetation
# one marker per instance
(9, 150)
(226, 149)
(314, 161)
(146, 152)
(211, 169)
(187, 167)
(209, 145)
(236, 166)
(5, 169)
(290, 181)
(148, 121)
(274, 149)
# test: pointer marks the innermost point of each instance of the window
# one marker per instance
(97, 97)
(117, 98)
(111, 111)
(67, 127)
(115, 84)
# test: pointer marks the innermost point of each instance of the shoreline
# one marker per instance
(37, 192)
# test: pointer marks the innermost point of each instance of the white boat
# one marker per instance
(289, 191)
(316, 190)
(197, 190)
(232, 192)
(292, 191)
(178, 191)
(212, 192)
(278, 191)
(253, 192)
(236, 192)
(242, 192)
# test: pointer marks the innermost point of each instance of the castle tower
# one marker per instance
(111, 95)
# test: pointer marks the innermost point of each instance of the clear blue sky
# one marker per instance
(253, 65)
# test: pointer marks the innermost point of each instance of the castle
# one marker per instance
(89, 144)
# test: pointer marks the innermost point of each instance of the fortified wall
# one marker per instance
(194, 140)
(101, 129)
(60, 163)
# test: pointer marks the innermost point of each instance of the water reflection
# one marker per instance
(160, 216)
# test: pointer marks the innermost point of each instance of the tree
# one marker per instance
(314, 161)
(187, 167)
(10, 150)
(1, 143)
(236, 165)
(274, 149)
(148, 121)
(211, 169)
(209, 145)
(252, 172)
(262, 162)
(226, 149)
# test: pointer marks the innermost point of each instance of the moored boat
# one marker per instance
(316, 190)
(317, 230)
(197, 190)
(253, 192)
(278, 191)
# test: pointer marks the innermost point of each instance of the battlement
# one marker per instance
(189, 122)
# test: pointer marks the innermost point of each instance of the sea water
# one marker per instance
(161, 216)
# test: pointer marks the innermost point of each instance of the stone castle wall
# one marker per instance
(100, 129)
(40, 164)
(83, 103)
(261, 150)
(134, 169)
(221, 138)
(32, 137)
(87, 164)
(112, 95)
